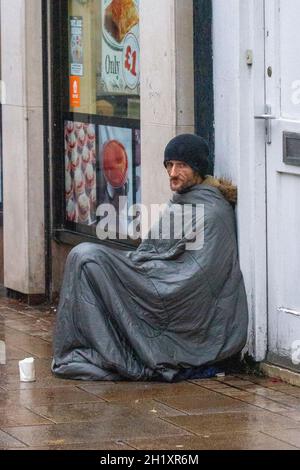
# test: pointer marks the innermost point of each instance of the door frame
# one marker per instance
(251, 209)
(203, 74)
(46, 38)
(240, 153)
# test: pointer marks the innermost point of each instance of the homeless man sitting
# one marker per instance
(164, 311)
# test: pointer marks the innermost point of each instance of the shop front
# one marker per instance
(99, 88)
(97, 116)
(122, 84)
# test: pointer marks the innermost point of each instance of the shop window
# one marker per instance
(96, 75)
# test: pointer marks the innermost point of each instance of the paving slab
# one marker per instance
(238, 411)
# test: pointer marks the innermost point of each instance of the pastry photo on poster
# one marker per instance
(80, 173)
(76, 46)
(120, 60)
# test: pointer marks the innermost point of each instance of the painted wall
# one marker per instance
(167, 87)
(22, 128)
(226, 86)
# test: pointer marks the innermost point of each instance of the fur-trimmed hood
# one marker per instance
(225, 186)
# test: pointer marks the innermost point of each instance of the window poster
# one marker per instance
(116, 158)
(80, 173)
(117, 154)
(120, 60)
(76, 46)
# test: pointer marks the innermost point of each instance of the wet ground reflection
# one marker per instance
(52, 413)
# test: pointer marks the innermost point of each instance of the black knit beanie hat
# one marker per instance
(191, 149)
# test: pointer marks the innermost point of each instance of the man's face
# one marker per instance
(181, 175)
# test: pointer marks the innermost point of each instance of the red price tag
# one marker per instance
(131, 61)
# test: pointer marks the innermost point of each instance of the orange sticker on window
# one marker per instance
(75, 92)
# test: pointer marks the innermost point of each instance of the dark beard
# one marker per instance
(187, 188)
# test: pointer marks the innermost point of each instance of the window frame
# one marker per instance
(63, 231)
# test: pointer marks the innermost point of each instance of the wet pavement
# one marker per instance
(236, 412)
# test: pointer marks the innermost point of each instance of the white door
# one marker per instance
(282, 61)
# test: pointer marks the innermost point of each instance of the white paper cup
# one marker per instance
(27, 370)
(2, 353)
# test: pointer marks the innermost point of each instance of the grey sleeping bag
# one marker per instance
(154, 312)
